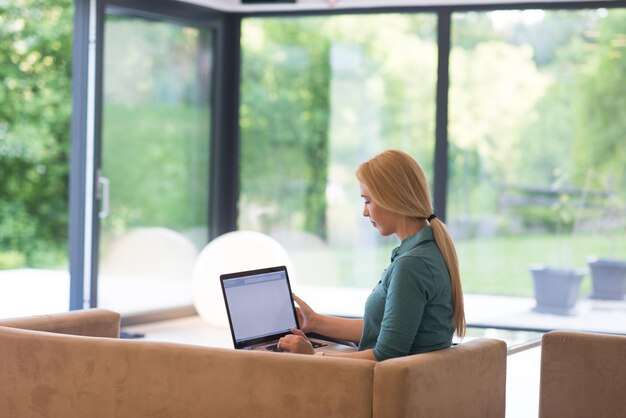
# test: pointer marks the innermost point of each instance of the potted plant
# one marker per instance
(557, 288)
(608, 275)
(608, 278)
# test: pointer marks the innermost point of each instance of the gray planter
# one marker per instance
(608, 279)
(556, 289)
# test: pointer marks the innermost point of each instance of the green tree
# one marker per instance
(285, 119)
(601, 109)
(296, 73)
(494, 90)
(156, 107)
(35, 106)
(473, 28)
(392, 73)
(549, 35)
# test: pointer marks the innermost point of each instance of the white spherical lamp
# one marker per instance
(229, 253)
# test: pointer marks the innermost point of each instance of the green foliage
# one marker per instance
(284, 121)
(601, 111)
(540, 105)
(494, 89)
(156, 125)
(556, 218)
(471, 29)
(551, 34)
(167, 185)
(11, 260)
(296, 73)
(35, 103)
(526, 102)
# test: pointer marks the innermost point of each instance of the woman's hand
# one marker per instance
(296, 342)
(348, 329)
(305, 314)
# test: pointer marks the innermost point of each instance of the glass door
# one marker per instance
(153, 179)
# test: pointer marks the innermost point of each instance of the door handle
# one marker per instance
(103, 196)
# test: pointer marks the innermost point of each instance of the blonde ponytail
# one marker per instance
(446, 246)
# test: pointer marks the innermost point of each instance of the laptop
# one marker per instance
(261, 311)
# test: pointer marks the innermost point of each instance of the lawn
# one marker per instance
(497, 265)
(500, 265)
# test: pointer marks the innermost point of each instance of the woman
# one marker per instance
(418, 303)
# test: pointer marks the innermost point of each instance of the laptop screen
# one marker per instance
(259, 305)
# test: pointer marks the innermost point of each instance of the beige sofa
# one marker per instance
(583, 375)
(46, 372)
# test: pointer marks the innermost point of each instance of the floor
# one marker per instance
(522, 393)
(522, 384)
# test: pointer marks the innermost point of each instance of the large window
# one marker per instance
(537, 133)
(319, 96)
(35, 105)
(535, 148)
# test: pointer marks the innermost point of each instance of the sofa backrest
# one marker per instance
(55, 375)
(582, 375)
(88, 322)
(467, 380)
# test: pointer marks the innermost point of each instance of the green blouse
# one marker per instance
(410, 309)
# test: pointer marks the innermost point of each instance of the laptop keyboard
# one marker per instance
(274, 347)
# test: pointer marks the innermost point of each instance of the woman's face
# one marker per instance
(385, 221)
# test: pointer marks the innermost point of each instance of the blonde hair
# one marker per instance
(397, 183)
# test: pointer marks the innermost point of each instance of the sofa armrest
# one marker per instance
(582, 375)
(467, 380)
(88, 322)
